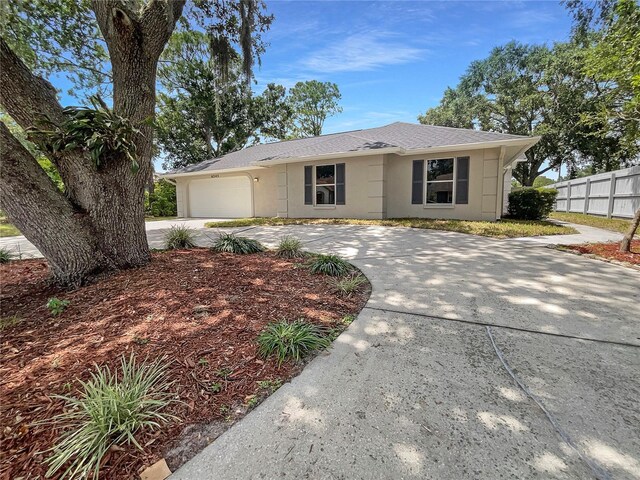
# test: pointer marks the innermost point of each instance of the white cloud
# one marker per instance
(361, 52)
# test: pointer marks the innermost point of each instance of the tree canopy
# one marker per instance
(201, 114)
(102, 152)
(538, 90)
(312, 102)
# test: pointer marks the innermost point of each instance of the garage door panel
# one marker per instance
(224, 197)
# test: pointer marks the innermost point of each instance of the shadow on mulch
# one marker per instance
(200, 310)
(608, 251)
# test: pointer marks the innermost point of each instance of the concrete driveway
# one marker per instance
(474, 358)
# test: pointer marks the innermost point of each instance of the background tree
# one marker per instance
(98, 223)
(535, 90)
(203, 115)
(312, 102)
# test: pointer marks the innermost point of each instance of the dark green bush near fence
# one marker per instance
(531, 203)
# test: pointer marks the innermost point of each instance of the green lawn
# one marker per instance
(155, 219)
(8, 230)
(613, 224)
(499, 229)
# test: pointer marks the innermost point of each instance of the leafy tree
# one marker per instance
(542, 181)
(535, 90)
(312, 102)
(614, 61)
(162, 201)
(98, 223)
(202, 115)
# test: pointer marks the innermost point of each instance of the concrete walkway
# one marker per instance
(586, 235)
(474, 358)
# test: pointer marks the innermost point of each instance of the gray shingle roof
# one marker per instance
(405, 136)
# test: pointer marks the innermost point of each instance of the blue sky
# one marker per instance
(393, 59)
(390, 59)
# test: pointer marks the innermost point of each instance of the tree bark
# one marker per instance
(103, 216)
(625, 245)
(40, 211)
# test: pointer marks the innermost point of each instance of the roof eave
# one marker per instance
(209, 172)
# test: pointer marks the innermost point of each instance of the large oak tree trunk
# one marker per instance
(625, 245)
(99, 223)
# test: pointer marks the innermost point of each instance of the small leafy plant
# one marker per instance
(230, 243)
(215, 387)
(57, 306)
(224, 372)
(292, 340)
(331, 265)
(111, 409)
(5, 255)
(348, 285)
(179, 237)
(270, 385)
(289, 247)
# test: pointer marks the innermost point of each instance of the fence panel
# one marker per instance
(611, 194)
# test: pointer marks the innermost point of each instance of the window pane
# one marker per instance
(325, 174)
(441, 192)
(440, 169)
(326, 195)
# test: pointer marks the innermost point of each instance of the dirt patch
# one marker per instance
(609, 251)
(201, 310)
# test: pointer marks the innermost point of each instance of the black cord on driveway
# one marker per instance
(597, 470)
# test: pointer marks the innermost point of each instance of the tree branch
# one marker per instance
(42, 213)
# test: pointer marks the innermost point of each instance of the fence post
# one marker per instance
(587, 192)
(568, 196)
(612, 194)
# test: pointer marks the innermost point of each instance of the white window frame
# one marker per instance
(427, 182)
(315, 186)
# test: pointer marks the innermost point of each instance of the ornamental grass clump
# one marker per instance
(349, 285)
(289, 247)
(291, 340)
(109, 412)
(230, 243)
(179, 237)
(331, 265)
(5, 255)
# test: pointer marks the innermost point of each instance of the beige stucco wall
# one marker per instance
(377, 186)
(364, 190)
(483, 187)
(264, 193)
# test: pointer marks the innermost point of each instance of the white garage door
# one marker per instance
(224, 197)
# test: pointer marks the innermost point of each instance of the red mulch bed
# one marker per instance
(150, 311)
(610, 251)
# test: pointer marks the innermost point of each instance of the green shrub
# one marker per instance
(179, 237)
(291, 340)
(346, 286)
(5, 255)
(531, 203)
(57, 306)
(109, 412)
(162, 202)
(228, 242)
(289, 247)
(329, 265)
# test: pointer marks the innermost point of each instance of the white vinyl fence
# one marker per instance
(612, 194)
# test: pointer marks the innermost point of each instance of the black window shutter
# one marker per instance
(308, 185)
(340, 189)
(462, 181)
(417, 185)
